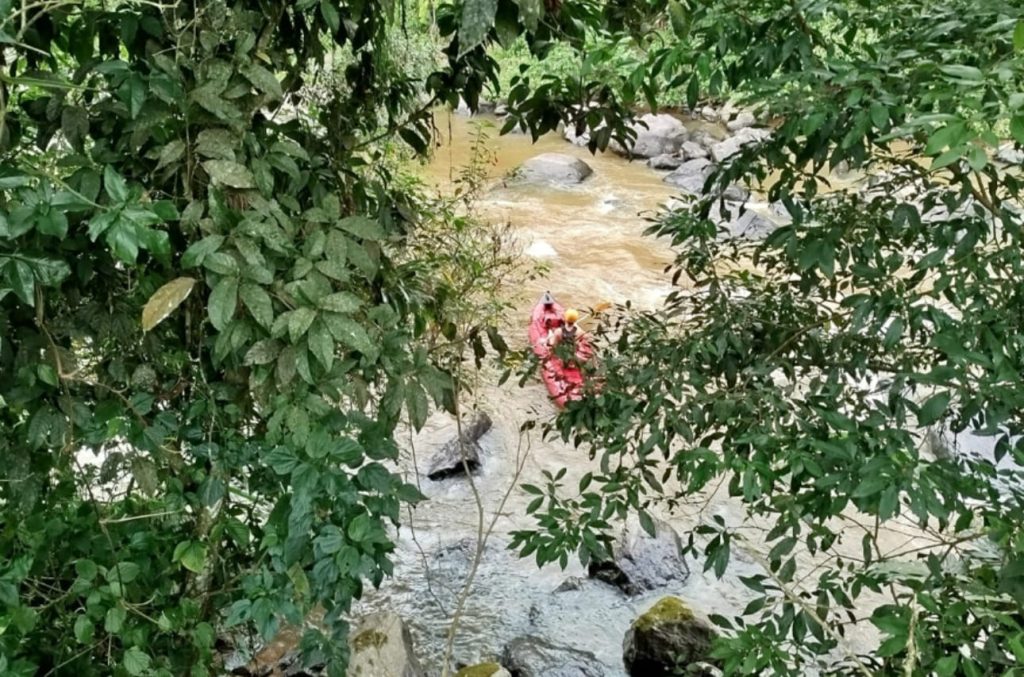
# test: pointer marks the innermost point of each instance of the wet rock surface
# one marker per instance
(642, 562)
(554, 169)
(381, 646)
(531, 656)
(483, 670)
(448, 460)
(668, 639)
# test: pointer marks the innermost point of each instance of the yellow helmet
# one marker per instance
(571, 315)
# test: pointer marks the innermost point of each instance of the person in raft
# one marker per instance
(562, 340)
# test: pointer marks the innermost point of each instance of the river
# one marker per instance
(591, 238)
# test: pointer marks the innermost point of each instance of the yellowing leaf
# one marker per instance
(164, 300)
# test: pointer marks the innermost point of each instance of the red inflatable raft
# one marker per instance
(564, 382)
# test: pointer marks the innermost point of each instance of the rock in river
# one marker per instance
(531, 656)
(381, 646)
(667, 640)
(554, 168)
(483, 670)
(655, 135)
(643, 562)
(448, 461)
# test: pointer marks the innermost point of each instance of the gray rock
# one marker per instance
(704, 139)
(1009, 154)
(554, 168)
(749, 135)
(736, 193)
(743, 120)
(381, 646)
(501, 110)
(665, 162)
(691, 150)
(642, 562)
(723, 150)
(655, 135)
(667, 640)
(448, 460)
(690, 175)
(570, 584)
(747, 224)
(531, 656)
(570, 135)
(709, 113)
(482, 108)
(727, 111)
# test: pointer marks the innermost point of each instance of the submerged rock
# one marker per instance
(666, 640)
(531, 656)
(655, 135)
(643, 562)
(448, 461)
(554, 168)
(381, 646)
(483, 670)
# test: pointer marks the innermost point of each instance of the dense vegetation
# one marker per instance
(212, 280)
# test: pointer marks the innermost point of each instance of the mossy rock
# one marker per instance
(368, 639)
(482, 670)
(665, 638)
(667, 610)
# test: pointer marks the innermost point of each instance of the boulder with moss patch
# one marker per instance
(381, 646)
(483, 670)
(668, 638)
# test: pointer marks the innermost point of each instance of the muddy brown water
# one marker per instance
(591, 237)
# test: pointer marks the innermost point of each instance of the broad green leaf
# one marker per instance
(680, 22)
(349, 332)
(123, 572)
(1018, 36)
(229, 173)
(84, 629)
(52, 222)
(321, 344)
(171, 153)
(21, 280)
(258, 303)
(363, 227)
(115, 619)
(966, 73)
(477, 19)
(946, 666)
(136, 661)
(113, 183)
(299, 321)
(198, 251)
(359, 527)
(341, 302)
(263, 79)
(164, 301)
(223, 303)
(1017, 128)
(934, 408)
(219, 144)
(192, 555)
(86, 569)
(262, 352)
(330, 540)
(417, 405)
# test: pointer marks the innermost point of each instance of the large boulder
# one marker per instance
(381, 646)
(692, 150)
(554, 168)
(667, 640)
(655, 135)
(691, 175)
(448, 460)
(531, 656)
(643, 562)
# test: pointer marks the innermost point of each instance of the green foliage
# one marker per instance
(225, 462)
(807, 376)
